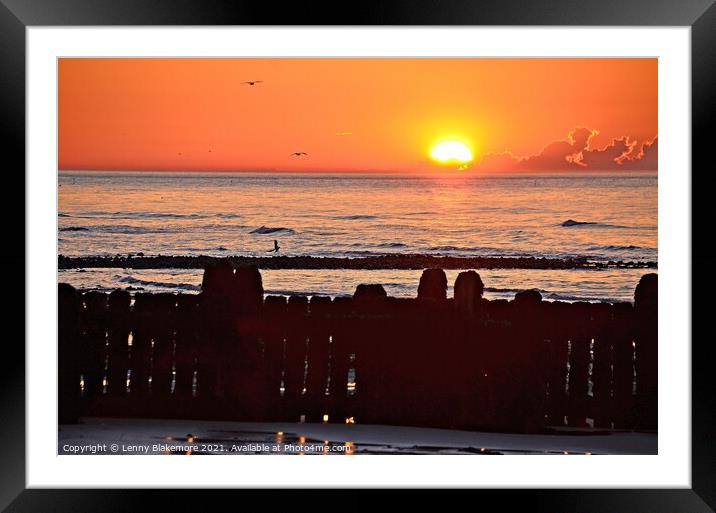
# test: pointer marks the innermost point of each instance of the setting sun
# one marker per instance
(451, 152)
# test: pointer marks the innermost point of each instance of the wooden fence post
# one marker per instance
(68, 372)
(118, 343)
(274, 337)
(316, 403)
(646, 311)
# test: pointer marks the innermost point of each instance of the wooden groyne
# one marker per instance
(463, 362)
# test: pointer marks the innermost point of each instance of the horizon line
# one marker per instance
(360, 171)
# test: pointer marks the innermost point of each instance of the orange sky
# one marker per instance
(194, 114)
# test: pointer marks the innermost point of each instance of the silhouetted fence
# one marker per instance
(465, 363)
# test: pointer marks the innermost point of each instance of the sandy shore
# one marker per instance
(212, 437)
(398, 261)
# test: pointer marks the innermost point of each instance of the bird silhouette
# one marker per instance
(252, 82)
(276, 247)
(299, 153)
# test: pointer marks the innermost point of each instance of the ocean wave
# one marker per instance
(547, 295)
(449, 248)
(392, 245)
(510, 290)
(138, 215)
(324, 233)
(356, 253)
(264, 230)
(355, 217)
(555, 296)
(619, 248)
(216, 226)
(158, 215)
(119, 229)
(159, 284)
(571, 223)
(150, 215)
(502, 290)
(382, 245)
(484, 251)
(280, 292)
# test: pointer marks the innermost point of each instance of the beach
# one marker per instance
(594, 285)
(152, 436)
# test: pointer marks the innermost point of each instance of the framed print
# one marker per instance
(417, 247)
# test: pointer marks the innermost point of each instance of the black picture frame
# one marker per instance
(17, 15)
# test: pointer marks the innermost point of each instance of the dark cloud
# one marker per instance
(504, 161)
(560, 155)
(646, 159)
(609, 156)
(575, 153)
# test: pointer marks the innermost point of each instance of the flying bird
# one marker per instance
(252, 82)
(299, 153)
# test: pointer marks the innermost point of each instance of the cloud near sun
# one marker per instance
(576, 153)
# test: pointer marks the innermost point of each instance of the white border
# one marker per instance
(671, 468)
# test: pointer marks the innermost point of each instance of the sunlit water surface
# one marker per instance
(358, 215)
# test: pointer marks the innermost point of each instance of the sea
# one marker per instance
(603, 217)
